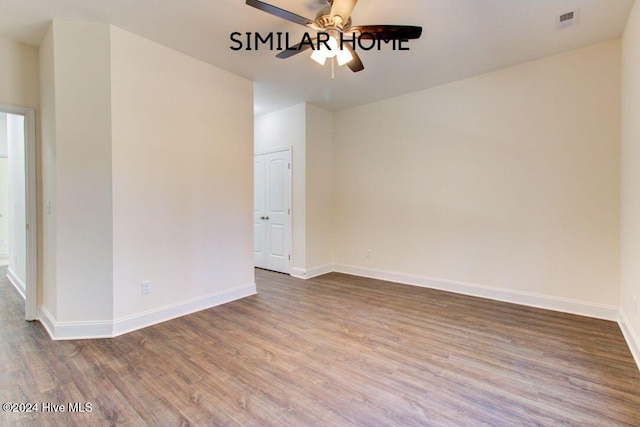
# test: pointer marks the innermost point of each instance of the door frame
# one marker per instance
(290, 201)
(31, 281)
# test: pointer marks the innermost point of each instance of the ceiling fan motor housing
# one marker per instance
(326, 21)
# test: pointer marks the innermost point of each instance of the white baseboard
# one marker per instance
(162, 314)
(298, 273)
(564, 305)
(47, 320)
(110, 329)
(74, 330)
(17, 283)
(311, 272)
(632, 337)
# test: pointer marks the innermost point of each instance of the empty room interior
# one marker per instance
(332, 213)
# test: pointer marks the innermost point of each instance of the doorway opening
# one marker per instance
(18, 238)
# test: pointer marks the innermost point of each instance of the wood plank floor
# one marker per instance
(331, 351)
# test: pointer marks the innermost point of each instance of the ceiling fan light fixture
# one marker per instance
(323, 53)
(333, 47)
(319, 56)
(344, 57)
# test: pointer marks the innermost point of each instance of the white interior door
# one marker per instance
(272, 211)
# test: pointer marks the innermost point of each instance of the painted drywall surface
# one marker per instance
(18, 74)
(319, 187)
(4, 187)
(630, 224)
(4, 208)
(284, 129)
(280, 129)
(47, 260)
(3, 135)
(182, 176)
(507, 180)
(81, 59)
(17, 213)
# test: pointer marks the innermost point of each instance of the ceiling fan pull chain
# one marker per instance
(333, 68)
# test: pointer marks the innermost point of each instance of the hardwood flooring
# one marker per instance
(332, 351)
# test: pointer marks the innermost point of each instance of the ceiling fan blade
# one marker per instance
(387, 32)
(343, 8)
(280, 13)
(294, 50)
(355, 64)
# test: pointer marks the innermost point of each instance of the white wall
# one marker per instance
(47, 260)
(280, 129)
(4, 209)
(17, 213)
(13, 244)
(284, 129)
(507, 180)
(630, 225)
(182, 178)
(4, 189)
(309, 131)
(3, 135)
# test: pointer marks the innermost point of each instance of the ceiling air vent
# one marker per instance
(567, 19)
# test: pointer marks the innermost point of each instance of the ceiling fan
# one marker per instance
(335, 20)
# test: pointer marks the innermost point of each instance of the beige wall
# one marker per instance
(182, 176)
(18, 74)
(319, 186)
(630, 226)
(146, 163)
(507, 180)
(77, 158)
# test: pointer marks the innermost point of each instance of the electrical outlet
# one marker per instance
(146, 287)
(367, 253)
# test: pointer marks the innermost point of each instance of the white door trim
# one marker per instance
(275, 150)
(31, 285)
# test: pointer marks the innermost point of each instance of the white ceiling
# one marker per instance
(461, 38)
